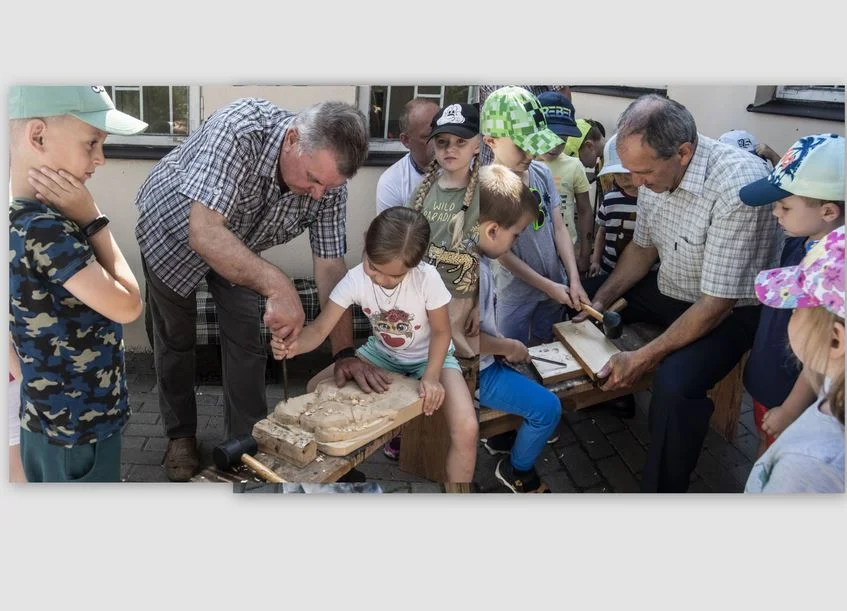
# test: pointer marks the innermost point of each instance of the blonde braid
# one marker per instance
(426, 184)
(456, 227)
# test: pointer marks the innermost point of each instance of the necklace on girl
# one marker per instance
(395, 293)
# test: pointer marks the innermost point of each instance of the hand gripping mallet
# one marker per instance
(241, 450)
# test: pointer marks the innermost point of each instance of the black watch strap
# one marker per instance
(95, 225)
(344, 353)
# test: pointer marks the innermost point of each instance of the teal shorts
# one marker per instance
(89, 462)
(375, 355)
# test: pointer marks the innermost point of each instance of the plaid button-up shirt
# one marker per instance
(231, 165)
(709, 242)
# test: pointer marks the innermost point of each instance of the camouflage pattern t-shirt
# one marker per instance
(73, 386)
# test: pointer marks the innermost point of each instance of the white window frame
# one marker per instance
(142, 139)
(811, 93)
(393, 145)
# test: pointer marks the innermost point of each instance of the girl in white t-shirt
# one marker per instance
(406, 302)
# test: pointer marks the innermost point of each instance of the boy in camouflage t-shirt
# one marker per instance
(70, 286)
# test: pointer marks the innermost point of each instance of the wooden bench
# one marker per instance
(425, 439)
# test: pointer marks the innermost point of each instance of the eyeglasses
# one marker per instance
(541, 216)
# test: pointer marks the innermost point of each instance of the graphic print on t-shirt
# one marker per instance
(393, 328)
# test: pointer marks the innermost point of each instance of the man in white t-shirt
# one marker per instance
(400, 180)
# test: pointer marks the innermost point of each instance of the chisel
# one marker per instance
(538, 358)
(285, 379)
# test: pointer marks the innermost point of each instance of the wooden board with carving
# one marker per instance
(587, 344)
(344, 419)
(550, 373)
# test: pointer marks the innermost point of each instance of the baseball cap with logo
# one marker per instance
(514, 113)
(559, 114)
(818, 281)
(812, 167)
(611, 160)
(88, 103)
(458, 119)
(741, 139)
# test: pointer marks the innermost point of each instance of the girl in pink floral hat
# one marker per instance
(809, 455)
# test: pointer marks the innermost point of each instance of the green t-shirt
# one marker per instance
(459, 268)
(570, 179)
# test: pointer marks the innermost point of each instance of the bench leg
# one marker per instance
(727, 396)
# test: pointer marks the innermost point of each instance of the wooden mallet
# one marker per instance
(612, 321)
(240, 450)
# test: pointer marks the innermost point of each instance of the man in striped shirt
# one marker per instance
(253, 176)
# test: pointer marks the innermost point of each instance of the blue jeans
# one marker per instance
(89, 462)
(504, 389)
(530, 323)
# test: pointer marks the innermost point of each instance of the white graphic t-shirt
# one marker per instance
(398, 316)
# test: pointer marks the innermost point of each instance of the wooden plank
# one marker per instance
(424, 444)
(345, 447)
(587, 344)
(285, 441)
(550, 373)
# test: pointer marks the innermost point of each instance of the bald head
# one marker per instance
(415, 129)
(663, 124)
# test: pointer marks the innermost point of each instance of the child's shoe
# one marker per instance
(500, 444)
(519, 481)
(392, 448)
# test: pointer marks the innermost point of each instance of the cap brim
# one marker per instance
(780, 288)
(564, 131)
(112, 122)
(538, 143)
(613, 169)
(761, 193)
(456, 130)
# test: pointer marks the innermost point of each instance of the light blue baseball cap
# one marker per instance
(87, 103)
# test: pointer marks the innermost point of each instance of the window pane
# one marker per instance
(399, 97)
(127, 100)
(429, 90)
(456, 94)
(378, 110)
(157, 111)
(180, 111)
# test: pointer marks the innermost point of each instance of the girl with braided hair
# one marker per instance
(448, 197)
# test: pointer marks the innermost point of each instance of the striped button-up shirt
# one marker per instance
(231, 165)
(709, 242)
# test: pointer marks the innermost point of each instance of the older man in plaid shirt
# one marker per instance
(711, 247)
(253, 176)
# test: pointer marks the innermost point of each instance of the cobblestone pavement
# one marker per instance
(597, 451)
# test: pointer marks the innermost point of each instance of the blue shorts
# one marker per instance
(372, 353)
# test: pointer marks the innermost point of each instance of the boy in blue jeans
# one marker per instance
(71, 288)
(506, 207)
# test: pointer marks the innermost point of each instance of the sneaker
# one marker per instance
(519, 481)
(392, 448)
(181, 459)
(500, 444)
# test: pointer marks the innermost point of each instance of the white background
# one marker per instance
(146, 546)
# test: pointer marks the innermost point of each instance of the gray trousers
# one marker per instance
(243, 355)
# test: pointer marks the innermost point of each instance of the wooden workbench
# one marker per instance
(324, 469)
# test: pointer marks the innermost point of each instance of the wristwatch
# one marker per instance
(344, 353)
(95, 225)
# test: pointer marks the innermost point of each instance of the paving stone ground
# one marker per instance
(597, 451)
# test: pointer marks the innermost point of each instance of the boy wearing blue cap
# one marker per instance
(71, 287)
(807, 190)
(568, 172)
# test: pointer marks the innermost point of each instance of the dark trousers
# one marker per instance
(679, 409)
(243, 355)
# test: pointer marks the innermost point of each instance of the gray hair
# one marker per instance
(663, 123)
(338, 127)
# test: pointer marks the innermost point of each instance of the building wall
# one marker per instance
(716, 109)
